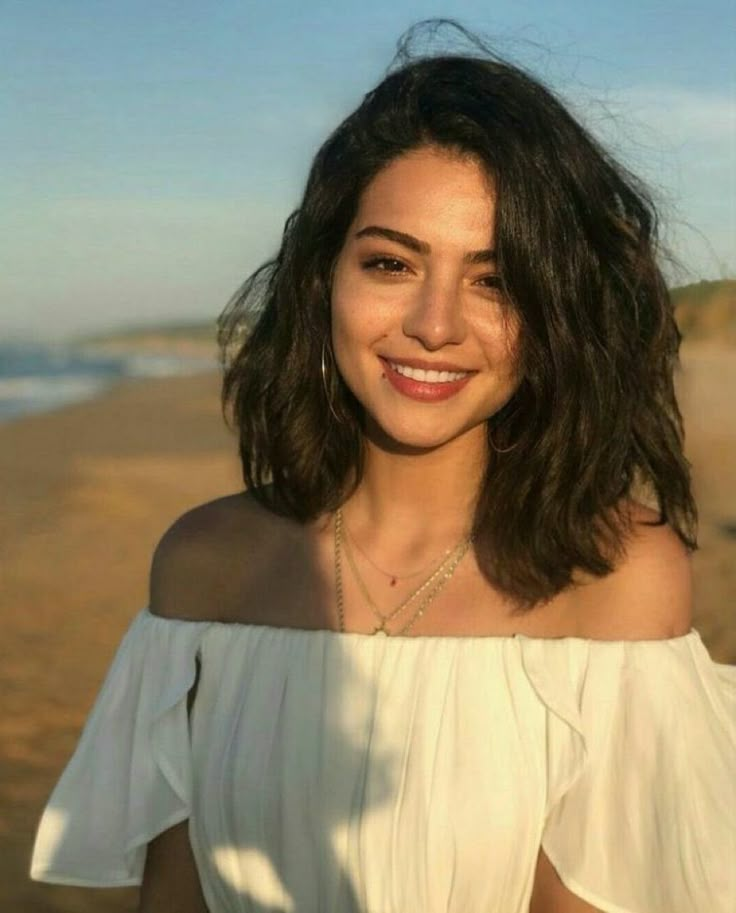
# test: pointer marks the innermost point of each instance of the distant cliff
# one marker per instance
(185, 339)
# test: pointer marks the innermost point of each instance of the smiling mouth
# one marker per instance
(430, 376)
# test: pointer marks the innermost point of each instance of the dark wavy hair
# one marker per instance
(595, 416)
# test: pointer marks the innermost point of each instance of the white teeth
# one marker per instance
(428, 377)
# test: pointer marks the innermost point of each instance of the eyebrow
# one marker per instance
(420, 247)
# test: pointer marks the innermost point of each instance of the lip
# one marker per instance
(425, 365)
(422, 391)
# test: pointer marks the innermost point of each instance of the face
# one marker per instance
(420, 330)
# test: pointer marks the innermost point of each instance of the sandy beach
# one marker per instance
(87, 492)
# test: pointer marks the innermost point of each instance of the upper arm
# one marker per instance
(550, 895)
(191, 571)
(170, 878)
(183, 579)
(648, 596)
(179, 560)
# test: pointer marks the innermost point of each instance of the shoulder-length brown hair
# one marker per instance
(576, 239)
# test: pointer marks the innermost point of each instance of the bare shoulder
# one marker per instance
(208, 556)
(648, 595)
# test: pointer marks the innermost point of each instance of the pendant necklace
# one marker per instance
(431, 587)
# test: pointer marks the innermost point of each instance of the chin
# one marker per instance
(413, 438)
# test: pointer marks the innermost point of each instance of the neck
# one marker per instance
(415, 504)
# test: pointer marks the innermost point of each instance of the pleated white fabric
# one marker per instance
(334, 773)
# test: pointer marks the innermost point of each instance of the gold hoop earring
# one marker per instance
(326, 386)
(496, 449)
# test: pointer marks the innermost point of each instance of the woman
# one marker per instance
(439, 657)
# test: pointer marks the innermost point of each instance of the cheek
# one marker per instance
(350, 334)
(357, 318)
(345, 326)
(499, 336)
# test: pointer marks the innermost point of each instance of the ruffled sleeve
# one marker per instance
(130, 776)
(641, 753)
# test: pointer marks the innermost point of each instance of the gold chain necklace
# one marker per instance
(393, 578)
(443, 573)
(410, 598)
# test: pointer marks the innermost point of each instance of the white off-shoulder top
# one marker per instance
(326, 772)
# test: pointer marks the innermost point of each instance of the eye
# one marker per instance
(384, 264)
(492, 282)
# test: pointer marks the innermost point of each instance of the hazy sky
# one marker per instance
(151, 150)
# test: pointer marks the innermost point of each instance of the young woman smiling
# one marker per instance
(439, 656)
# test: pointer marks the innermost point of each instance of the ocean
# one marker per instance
(37, 378)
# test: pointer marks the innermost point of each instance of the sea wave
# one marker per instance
(37, 379)
(42, 392)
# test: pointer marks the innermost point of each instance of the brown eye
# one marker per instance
(384, 264)
(491, 282)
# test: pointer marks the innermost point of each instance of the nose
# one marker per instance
(435, 316)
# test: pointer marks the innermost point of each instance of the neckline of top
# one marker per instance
(359, 636)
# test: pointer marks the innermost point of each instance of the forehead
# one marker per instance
(433, 188)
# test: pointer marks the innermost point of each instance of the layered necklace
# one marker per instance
(427, 590)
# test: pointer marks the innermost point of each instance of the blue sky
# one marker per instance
(152, 150)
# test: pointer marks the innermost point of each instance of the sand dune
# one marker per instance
(88, 491)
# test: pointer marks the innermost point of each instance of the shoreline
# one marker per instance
(37, 379)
